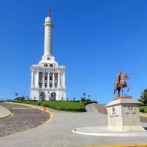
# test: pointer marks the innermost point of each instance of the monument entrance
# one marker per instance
(42, 96)
(53, 96)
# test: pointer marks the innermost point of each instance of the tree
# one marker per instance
(18, 98)
(82, 99)
(89, 96)
(16, 94)
(22, 98)
(84, 94)
(143, 97)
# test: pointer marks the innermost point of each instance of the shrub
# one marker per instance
(142, 110)
(143, 97)
(59, 105)
(33, 100)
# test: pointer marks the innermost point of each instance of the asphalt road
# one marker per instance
(23, 118)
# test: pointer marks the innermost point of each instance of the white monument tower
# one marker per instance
(47, 78)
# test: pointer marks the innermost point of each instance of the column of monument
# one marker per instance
(58, 79)
(32, 79)
(48, 35)
(37, 80)
(48, 83)
(64, 80)
(53, 84)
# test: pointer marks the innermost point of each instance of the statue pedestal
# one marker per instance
(123, 115)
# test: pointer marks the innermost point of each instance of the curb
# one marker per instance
(6, 115)
(103, 133)
(21, 104)
(94, 107)
(139, 145)
(143, 115)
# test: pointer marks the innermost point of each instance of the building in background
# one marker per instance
(47, 78)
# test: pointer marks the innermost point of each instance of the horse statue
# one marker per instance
(121, 83)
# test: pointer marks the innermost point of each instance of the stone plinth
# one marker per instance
(123, 115)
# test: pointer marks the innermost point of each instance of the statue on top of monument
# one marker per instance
(49, 11)
(121, 83)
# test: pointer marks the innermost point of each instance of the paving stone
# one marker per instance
(22, 119)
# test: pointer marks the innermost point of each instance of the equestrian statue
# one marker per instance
(121, 83)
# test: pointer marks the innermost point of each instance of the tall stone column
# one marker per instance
(48, 84)
(48, 36)
(58, 79)
(53, 80)
(37, 80)
(32, 79)
(43, 78)
(63, 79)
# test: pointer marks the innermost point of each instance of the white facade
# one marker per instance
(47, 78)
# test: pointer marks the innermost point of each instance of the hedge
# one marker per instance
(79, 108)
(142, 110)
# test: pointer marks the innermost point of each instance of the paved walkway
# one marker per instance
(3, 112)
(99, 107)
(57, 133)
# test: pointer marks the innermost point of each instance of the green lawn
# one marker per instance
(64, 104)
(59, 105)
(143, 109)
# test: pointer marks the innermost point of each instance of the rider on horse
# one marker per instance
(121, 83)
(118, 77)
(118, 80)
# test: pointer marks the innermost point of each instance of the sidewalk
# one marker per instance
(4, 112)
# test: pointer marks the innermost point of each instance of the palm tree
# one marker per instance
(89, 96)
(16, 94)
(84, 94)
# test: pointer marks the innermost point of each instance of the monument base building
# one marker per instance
(47, 78)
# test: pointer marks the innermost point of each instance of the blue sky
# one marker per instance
(94, 39)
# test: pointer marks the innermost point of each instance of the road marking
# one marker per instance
(21, 104)
(94, 107)
(139, 145)
(143, 115)
(6, 115)
(51, 113)
(23, 108)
